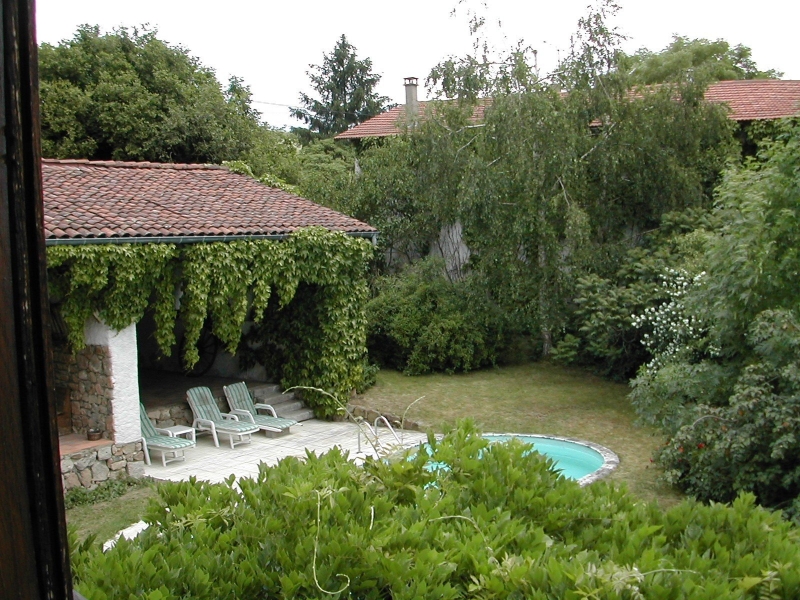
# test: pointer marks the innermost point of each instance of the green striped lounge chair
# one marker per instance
(207, 417)
(171, 447)
(241, 404)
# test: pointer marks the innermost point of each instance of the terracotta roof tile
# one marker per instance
(757, 99)
(392, 121)
(107, 199)
(749, 100)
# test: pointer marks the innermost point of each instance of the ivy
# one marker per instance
(229, 282)
(115, 282)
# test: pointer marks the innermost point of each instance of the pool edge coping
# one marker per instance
(610, 458)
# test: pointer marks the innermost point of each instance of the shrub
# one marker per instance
(603, 334)
(498, 524)
(108, 490)
(419, 322)
(728, 391)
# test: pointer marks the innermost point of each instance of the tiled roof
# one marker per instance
(757, 99)
(749, 100)
(93, 199)
(392, 121)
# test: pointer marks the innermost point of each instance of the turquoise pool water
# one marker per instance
(574, 460)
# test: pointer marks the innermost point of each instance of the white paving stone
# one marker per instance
(208, 463)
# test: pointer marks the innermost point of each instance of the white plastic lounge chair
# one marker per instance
(207, 417)
(241, 404)
(171, 447)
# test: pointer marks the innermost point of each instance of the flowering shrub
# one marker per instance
(674, 330)
(726, 384)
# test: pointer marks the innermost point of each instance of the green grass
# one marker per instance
(105, 518)
(533, 398)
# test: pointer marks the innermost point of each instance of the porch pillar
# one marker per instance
(122, 352)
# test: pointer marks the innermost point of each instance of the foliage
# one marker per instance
(128, 95)
(602, 333)
(698, 59)
(498, 524)
(226, 282)
(323, 165)
(117, 282)
(419, 322)
(107, 490)
(552, 187)
(732, 404)
(346, 89)
(273, 158)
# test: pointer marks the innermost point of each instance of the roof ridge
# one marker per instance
(131, 164)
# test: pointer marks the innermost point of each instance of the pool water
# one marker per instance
(572, 459)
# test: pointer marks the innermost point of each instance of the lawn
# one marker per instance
(106, 518)
(532, 398)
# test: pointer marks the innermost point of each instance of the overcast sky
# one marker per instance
(270, 44)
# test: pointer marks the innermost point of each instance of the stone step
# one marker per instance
(302, 414)
(279, 400)
(287, 406)
(273, 397)
(267, 389)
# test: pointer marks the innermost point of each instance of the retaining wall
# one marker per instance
(86, 468)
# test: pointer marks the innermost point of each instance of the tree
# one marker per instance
(699, 59)
(129, 96)
(729, 396)
(346, 89)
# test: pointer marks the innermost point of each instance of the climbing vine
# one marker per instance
(115, 282)
(229, 282)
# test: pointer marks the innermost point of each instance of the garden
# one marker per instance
(629, 279)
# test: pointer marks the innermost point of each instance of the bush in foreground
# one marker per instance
(498, 524)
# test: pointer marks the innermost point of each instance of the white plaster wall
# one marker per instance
(124, 377)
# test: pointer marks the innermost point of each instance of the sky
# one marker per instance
(270, 44)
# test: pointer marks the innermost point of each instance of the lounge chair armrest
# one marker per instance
(243, 414)
(267, 407)
(230, 416)
(164, 432)
(207, 423)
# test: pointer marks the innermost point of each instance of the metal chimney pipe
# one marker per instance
(412, 105)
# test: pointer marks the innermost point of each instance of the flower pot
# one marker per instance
(93, 435)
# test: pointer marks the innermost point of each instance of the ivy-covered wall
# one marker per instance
(227, 282)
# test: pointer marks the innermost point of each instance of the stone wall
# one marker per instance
(87, 468)
(179, 414)
(167, 416)
(87, 377)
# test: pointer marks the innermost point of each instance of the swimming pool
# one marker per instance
(580, 460)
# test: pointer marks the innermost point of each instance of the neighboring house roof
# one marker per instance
(757, 99)
(393, 120)
(748, 99)
(108, 201)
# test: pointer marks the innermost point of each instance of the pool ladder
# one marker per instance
(372, 435)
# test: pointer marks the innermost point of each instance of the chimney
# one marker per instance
(412, 105)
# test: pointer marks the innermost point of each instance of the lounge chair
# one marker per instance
(207, 417)
(171, 447)
(241, 404)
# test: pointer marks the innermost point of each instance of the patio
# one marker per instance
(213, 464)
